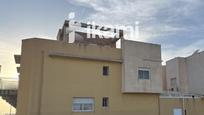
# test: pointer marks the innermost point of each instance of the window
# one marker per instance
(143, 73)
(177, 111)
(105, 102)
(173, 84)
(105, 70)
(83, 105)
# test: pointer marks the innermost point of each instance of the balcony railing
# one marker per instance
(171, 94)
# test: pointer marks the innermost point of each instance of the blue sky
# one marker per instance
(175, 24)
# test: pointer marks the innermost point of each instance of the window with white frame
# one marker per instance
(144, 73)
(83, 104)
(177, 111)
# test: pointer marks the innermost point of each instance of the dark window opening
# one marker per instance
(105, 102)
(105, 70)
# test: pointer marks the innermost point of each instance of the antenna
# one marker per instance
(197, 51)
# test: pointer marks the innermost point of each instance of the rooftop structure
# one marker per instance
(83, 33)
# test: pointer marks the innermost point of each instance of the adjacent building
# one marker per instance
(7, 98)
(185, 74)
(183, 79)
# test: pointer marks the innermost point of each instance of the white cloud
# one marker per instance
(156, 18)
(146, 11)
(172, 51)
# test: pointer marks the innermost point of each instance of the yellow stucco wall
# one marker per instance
(192, 106)
(48, 84)
(79, 78)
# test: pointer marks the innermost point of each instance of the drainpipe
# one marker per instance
(159, 106)
(183, 106)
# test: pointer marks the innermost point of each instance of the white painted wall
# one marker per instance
(195, 65)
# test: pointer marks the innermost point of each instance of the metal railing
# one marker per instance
(171, 94)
